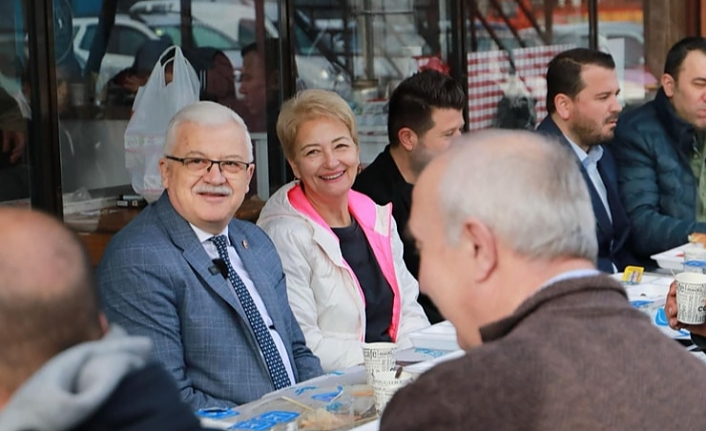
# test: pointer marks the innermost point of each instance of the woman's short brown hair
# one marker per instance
(310, 105)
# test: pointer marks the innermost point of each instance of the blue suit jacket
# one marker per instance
(154, 280)
(612, 237)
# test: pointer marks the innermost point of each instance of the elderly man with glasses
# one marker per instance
(208, 289)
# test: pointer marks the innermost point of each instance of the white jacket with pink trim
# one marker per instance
(323, 291)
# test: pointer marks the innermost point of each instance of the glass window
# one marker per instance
(129, 41)
(96, 101)
(87, 37)
(97, 92)
(15, 112)
(246, 32)
(509, 52)
(203, 36)
(363, 50)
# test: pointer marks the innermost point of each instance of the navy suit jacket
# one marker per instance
(612, 237)
(154, 280)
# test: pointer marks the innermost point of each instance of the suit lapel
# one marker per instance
(184, 237)
(602, 220)
(603, 224)
(254, 265)
(620, 219)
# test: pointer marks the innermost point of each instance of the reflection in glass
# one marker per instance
(114, 46)
(511, 45)
(15, 113)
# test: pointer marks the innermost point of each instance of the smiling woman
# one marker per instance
(346, 280)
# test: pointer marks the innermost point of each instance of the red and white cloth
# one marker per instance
(488, 74)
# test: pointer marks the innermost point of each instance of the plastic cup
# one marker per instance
(385, 384)
(695, 260)
(378, 357)
(691, 296)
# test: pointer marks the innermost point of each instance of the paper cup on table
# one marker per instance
(691, 294)
(385, 384)
(378, 357)
(695, 259)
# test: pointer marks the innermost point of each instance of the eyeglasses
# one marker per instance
(199, 165)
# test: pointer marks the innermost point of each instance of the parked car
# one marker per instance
(205, 36)
(237, 22)
(126, 38)
(129, 33)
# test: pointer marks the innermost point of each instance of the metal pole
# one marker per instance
(366, 32)
(458, 11)
(44, 153)
(593, 24)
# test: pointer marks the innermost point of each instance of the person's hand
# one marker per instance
(670, 310)
(13, 142)
(133, 82)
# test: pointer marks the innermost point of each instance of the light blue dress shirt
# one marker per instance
(590, 163)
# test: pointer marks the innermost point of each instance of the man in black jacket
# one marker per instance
(60, 366)
(425, 112)
(660, 153)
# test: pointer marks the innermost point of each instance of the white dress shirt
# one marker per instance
(239, 268)
(568, 275)
(590, 163)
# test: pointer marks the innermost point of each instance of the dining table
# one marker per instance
(337, 401)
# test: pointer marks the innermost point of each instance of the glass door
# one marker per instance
(15, 111)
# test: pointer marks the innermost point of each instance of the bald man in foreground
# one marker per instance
(60, 366)
(506, 235)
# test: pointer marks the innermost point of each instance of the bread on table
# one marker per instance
(698, 238)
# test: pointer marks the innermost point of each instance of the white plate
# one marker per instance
(422, 367)
(673, 258)
(441, 336)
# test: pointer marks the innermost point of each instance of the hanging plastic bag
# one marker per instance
(154, 106)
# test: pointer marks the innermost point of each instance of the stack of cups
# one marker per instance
(380, 364)
(691, 298)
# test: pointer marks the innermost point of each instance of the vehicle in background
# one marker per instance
(204, 36)
(126, 38)
(237, 21)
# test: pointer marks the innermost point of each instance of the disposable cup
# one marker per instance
(385, 384)
(378, 357)
(691, 297)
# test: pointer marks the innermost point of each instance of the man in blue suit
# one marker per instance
(583, 106)
(208, 289)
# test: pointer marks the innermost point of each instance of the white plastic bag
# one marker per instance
(154, 106)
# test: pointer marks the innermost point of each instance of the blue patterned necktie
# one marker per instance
(275, 366)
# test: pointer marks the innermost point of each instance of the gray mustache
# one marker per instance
(217, 190)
